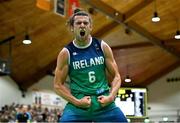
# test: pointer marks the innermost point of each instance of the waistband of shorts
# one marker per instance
(98, 92)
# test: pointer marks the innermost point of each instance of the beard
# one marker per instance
(82, 34)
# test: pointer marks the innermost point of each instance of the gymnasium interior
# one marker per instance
(144, 36)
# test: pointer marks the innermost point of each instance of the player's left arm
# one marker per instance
(112, 69)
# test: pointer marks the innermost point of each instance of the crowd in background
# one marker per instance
(36, 113)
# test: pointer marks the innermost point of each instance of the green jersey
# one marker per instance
(87, 68)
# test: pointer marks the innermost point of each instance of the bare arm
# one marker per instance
(61, 73)
(113, 70)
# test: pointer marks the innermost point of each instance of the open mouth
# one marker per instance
(82, 33)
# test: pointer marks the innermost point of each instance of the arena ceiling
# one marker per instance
(142, 49)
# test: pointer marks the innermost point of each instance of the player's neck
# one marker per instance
(81, 42)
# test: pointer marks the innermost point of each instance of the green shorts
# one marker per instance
(95, 113)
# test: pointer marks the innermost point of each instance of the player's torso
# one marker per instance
(87, 67)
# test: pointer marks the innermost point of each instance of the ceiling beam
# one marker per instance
(7, 39)
(171, 41)
(145, 44)
(160, 74)
(109, 11)
(135, 45)
(105, 29)
(132, 12)
(152, 38)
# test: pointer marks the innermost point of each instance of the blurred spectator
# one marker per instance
(23, 115)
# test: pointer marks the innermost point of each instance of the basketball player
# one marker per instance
(85, 60)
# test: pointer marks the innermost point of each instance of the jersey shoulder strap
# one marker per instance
(98, 42)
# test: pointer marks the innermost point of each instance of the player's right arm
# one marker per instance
(61, 73)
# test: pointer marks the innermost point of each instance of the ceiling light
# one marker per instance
(127, 79)
(146, 120)
(155, 18)
(116, 13)
(27, 40)
(165, 119)
(177, 36)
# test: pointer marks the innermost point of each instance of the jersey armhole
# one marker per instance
(102, 44)
(68, 55)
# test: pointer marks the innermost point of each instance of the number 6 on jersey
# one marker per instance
(92, 77)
